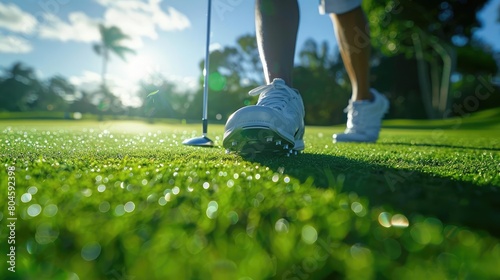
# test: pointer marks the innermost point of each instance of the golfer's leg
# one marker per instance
(353, 36)
(366, 107)
(276, 123)
(276, 23)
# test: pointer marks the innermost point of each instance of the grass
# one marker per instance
(126, 200)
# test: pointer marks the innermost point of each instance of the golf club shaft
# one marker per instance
(205, 71)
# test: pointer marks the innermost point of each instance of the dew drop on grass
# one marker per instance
(26, 197)
(104, 207)
(212, 210)
(87, 192)
(281, 226)
(275, 178)
(309, 234)
(34, 210)
(91, 251)
(162, 201)
(119, 210)
(384, 219)
(33, 190)
(151, 198)
(129, 207)
(50, 210)
(400, 221)
(356, 207)
(101, 188)
(176, 190)
(230, 183)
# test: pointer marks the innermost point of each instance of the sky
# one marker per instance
(56, 36)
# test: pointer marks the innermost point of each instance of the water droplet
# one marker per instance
(26, 197)
(281, 226)
(50, 210)
(309, 234)
(400, 221)
(206, 185)
(356, 207)
(104, 206)
(168, 196)
(162, 201)
(129, 207)
(286, 179)
(34, 210)
(119, 210)
(101, 188)
(87, 192)
(212, 208)
(275, 178)
(384, 219)
(176, 190)
(33, 190)
(91, 251)
(230, 183)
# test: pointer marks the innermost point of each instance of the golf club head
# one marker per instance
(201, 141)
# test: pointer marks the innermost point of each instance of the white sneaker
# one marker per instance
(274, 125)
(364, 119)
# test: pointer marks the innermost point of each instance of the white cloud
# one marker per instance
(79, 28)
(172, 20)
(141, 19)
(14, 19)
(14, 44)
(215, 47)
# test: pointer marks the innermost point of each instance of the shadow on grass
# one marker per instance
(406, 191)
(440, 146)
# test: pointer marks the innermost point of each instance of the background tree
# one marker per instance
(19, 88)
(111, 43)
(430, 32)
(168, 102)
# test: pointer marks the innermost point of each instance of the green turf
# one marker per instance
(126, 200)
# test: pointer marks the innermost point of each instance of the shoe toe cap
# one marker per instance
(255, 116)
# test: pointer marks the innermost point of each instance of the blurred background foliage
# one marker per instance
(425, 59)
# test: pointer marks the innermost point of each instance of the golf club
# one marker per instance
(203, 140)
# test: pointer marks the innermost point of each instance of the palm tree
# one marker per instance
(111, 42)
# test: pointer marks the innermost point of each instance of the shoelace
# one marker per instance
(279, 98)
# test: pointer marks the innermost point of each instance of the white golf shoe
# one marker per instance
(274, 125)
(364, 119)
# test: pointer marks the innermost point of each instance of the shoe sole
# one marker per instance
(249, 141)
